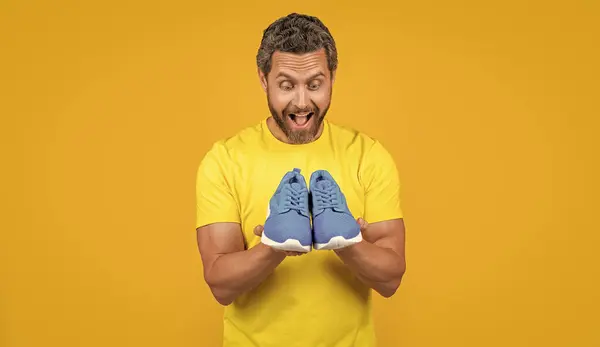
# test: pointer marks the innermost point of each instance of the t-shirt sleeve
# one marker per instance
(381, 180)
(215, 198)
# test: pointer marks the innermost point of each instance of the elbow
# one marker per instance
(223, 296)
(224, 300)
(389, 288)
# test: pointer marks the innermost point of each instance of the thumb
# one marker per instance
(363, 223)
(258, 230)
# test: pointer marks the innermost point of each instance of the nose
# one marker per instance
(301, 98)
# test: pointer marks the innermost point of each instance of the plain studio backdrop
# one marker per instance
(489, 108)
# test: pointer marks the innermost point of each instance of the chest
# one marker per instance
(257, 176)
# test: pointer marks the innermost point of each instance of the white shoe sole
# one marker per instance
(289, 245)
(338, 242)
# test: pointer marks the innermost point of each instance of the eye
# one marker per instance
(314, 85)
(286, 86)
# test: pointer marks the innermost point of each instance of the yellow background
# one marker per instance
(490, 110)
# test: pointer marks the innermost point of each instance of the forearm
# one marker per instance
(379, 268)
(235, 273)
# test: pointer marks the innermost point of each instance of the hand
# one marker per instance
(363, 227)
(363, 224)
(258, 230)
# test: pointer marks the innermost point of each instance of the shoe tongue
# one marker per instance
(323, 184)
(296, 186)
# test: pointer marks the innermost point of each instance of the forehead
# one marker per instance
(299, 64)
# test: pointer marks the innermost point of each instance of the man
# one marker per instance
(293, 185)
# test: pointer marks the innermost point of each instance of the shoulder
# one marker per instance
(225, 148)
(375, 160)
(352, 137)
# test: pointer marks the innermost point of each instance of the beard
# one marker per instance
(301, 136)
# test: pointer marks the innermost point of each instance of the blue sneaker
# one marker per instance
(333, 224)
(288, 225)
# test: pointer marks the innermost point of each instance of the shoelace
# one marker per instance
(326, 197)
(294, 200)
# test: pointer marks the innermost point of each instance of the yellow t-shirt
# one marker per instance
(312, 300)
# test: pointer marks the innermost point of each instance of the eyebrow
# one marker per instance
(283, 74)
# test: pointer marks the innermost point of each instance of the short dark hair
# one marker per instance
(299, 34)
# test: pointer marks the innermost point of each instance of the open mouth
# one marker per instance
(301, 119)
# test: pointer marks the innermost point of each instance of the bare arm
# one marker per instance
(229, 269)
(378, 261)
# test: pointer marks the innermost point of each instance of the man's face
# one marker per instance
(298, 91)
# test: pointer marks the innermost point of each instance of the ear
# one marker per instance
(263, 79)
(333, 76)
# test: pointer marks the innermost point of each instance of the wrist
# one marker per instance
(349, 250)
(271, 253)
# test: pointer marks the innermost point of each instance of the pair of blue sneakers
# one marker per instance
(288, 225)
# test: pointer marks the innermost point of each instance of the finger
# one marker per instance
(258, 230)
